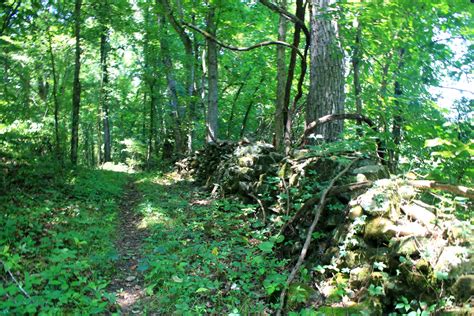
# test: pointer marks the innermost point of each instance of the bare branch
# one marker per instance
(307, 242)
(241, 49)
(293, 18)
(454, 189)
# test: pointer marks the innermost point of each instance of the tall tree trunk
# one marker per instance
(189, 66)
(356, 68)
(76, 90)
(249, 108)
(172, 92)
(55, 100)
(281, 82)
(326, 93)
(104, 100)
(152, 128)
(397, 117)
(232, 110)
(212, 106)
(288, 115)
(145, 101)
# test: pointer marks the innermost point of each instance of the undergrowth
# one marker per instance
(209, 257)
(56, 241)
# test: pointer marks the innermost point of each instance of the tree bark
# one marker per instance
(212, 106)
(356, 68)
(326, 94)
(76, 90)
(189, 66)
(288, 113)
(232, 110)
(104, 100)
(281, 83)
(55, 100)
(174, 101)
(397, 118)
(249, 108)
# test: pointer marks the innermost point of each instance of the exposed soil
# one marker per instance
(128, 283)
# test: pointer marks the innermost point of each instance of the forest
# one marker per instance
(236, 157)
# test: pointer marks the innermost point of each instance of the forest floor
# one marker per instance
(104, 242)
(128, 282)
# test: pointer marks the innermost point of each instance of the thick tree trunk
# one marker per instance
(212, 78)
(326, 94)
(76, 90)
(281, 82)
(104, 100)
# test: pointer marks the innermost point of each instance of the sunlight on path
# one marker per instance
(128, 284)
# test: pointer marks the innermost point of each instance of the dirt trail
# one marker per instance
(128, 283)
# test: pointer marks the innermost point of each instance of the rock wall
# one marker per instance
(381, 241)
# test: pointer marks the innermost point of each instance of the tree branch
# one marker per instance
(177, 26)
(307, 242)
(293, 18)
(454, 189)
(241, 49)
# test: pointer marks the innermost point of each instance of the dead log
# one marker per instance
(454, 189)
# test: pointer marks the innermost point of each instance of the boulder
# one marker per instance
(451, 257)
(372, 172)
(379, 229)
(463, 288)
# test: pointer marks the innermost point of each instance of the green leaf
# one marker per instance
(266, 246)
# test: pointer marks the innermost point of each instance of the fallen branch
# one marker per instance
(264, 213)
(307, 242)
(16, 282)
(454, 189)
(242, 49)
(334, 191)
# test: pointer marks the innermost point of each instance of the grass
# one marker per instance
(204, 257)
(57, 240)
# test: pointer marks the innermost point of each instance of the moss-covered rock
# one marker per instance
(451, 258)
(463, 288)
(360, 275)
(379, 229)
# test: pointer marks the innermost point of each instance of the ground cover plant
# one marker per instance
(236, 157)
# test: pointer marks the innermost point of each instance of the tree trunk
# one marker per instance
(76, 90)
(190, 71)
(145, 101)
(397, 118)
(288, 115)
(356, 68)
(232, 110)
(104, 100)
(281, 82)
(55, 100)
(249, 108)
(212, 108)
(152, 129)
(326, 93)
